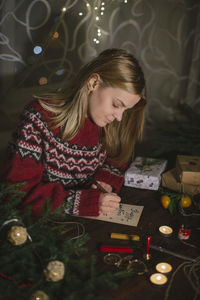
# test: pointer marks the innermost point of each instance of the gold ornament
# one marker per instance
(54, 271)
(39, 295)
(17, 235)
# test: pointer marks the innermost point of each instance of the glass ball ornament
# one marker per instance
(17, 235)
(54, 271)
(39, 295)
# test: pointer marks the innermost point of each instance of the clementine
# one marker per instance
(165, 200)
(186, 201)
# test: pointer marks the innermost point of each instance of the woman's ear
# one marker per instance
(93, 82)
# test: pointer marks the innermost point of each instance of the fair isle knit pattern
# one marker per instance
(59, 169)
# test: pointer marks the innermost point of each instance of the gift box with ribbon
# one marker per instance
(145, 173)
(170, 180)
(188, 169)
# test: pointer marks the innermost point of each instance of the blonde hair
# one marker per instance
(116, 68)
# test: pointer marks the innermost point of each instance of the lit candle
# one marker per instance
(165, 230)
(147, 256)
(163, 267)
(158, 279)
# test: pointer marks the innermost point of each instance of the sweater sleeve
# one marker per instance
(24, 163)
(76, 202)
(111, 173)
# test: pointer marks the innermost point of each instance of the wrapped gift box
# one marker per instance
(170, 181)
(145, 173)
(188, 169)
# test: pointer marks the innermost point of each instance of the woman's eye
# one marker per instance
(115, 105)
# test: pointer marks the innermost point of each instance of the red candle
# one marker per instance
(148, 243)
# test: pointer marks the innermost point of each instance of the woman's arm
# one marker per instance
(112, 174)
(24, 163)
(18, 169)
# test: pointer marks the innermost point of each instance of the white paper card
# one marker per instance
(126, 214)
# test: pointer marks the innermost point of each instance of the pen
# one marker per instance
(158, 248)
(97, 184)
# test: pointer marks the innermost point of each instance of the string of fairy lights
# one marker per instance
(97, 10)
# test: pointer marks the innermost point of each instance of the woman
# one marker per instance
(89, 129)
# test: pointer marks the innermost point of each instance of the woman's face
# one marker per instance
(108, 104)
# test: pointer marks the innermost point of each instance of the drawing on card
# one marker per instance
(126, 214)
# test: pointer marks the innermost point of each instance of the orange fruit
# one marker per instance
(185, 201)
(165, 200)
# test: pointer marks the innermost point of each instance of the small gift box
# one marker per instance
(170, 181)
(145, 173)
(188, 169)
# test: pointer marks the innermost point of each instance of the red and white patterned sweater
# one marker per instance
(56, 170)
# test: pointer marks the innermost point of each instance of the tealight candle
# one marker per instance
(163, 267)
(158, 279)
(165, 230)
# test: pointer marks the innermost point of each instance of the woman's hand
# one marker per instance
(104, 185)
(109, 202)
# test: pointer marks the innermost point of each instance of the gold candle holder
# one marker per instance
(147, 256)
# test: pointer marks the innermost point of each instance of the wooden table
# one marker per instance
(153, 215)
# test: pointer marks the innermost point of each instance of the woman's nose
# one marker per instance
(118, 115)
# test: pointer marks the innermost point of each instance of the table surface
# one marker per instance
(153, 216)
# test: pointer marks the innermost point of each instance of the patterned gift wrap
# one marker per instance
(145, 173)
(188, 169)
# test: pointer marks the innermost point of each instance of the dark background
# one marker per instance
(163, 35)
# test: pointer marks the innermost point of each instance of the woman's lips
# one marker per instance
(108, 121)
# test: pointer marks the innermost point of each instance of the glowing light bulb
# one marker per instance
(97, 18)
(37, 49)
(60, 72)
(80, 14)
(64, 8)
(43, 81)
(56, 35)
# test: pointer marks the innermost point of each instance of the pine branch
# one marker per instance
(24, 264)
